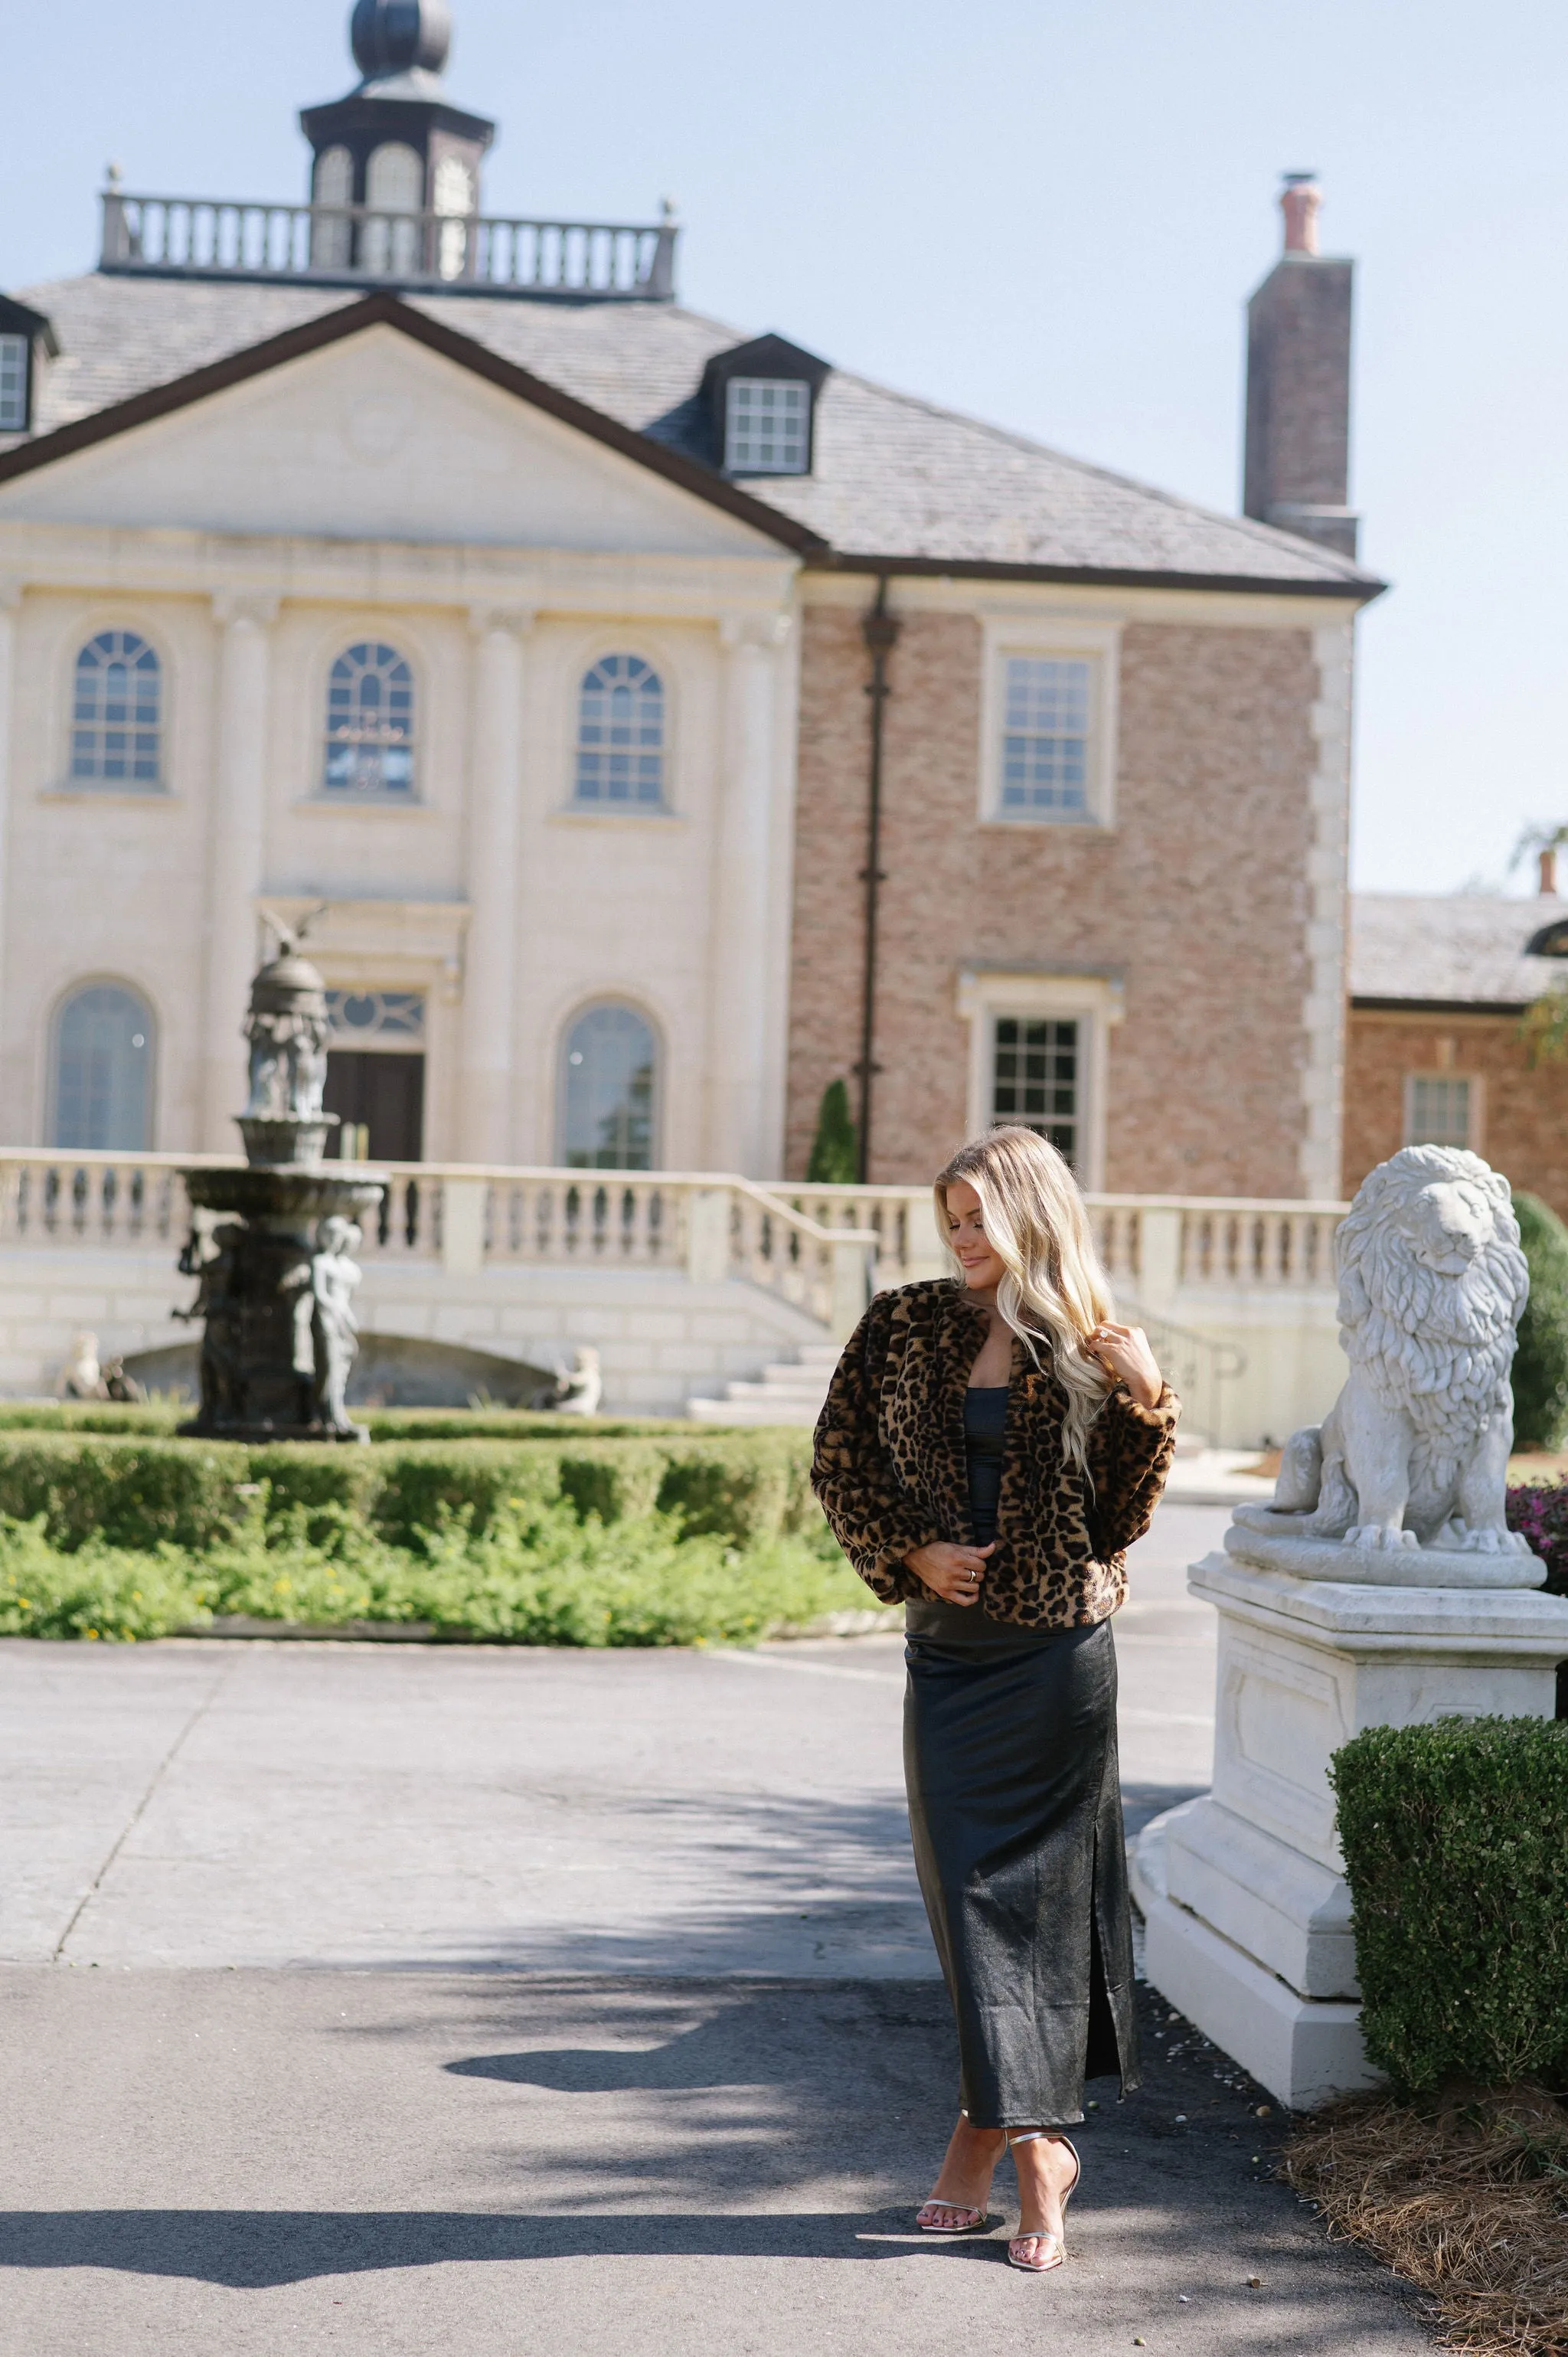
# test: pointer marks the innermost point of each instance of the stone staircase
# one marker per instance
(791, 1390)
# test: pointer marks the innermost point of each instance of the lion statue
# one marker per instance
(1432, 1282)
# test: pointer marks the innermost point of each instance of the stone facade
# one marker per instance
(1188, 910)
(1520, 1116)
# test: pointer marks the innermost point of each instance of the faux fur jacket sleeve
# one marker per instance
(890, 1470)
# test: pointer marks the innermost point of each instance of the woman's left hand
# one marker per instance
(1123, 1351)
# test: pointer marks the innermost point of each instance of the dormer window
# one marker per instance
(762, 401)
(25, 336)
(768, 426)
(13, 384)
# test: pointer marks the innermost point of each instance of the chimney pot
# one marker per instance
(1548, 858)
(1300, 199)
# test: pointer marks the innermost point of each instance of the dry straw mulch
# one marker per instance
(1465, 2198)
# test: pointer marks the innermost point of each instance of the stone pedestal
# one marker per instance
(1243, 1893)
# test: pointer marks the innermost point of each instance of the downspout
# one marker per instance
(880, 631)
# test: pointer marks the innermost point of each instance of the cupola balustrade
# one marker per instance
(355, 245)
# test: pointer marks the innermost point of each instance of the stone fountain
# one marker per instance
(275, 1269)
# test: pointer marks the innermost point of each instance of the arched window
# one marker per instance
(117, 713)
(102, 1092)
(370, 723)
(394, 183)
(332, 234)
(620, 733)
(609, 1090)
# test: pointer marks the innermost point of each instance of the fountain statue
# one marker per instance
(275, 1273)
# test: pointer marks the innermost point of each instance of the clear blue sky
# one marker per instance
(1048, 213)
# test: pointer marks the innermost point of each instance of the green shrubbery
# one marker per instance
(143, 1490)
(537, 1576)
(675, 1539)
(1541, 1364)
(1458, 1870)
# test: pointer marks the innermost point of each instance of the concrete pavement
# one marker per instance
(622, 2034)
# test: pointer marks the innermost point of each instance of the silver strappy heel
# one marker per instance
(1056, 2246)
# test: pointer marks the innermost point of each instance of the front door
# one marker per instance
(384, 1093)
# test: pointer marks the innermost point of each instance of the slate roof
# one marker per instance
(1457, 951)
(893, 477)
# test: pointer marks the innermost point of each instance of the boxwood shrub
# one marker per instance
(1454, 1850)
(138, 1490)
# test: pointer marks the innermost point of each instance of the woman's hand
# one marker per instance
(1123, 1351)
(951, 1572)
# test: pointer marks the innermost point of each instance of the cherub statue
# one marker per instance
(217, 1306)
(334, 1328)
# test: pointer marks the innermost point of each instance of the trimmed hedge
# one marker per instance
(161, 1416)
(143, 1491)
(1455, 1852)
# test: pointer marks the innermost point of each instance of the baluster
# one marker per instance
(544, 1223)
(108, 1199)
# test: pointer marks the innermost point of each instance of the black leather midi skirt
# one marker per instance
(1016, 1811)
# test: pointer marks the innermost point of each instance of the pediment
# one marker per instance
(377, 437)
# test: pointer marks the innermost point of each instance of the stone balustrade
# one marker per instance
(783, 1237)
(1239, 1296)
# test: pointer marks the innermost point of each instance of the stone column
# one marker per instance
(741, 971)
(495, 790)
(235, 853)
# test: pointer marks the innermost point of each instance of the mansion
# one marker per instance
(655, 721)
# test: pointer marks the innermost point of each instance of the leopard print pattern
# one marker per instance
(890, 1470)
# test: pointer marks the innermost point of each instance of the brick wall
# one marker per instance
(1524, 1114)
(1197, 896)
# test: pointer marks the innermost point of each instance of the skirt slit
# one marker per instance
(1015, 1816)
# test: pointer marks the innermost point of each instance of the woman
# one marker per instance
(991, 1445)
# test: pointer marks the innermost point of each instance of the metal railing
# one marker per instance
(353, 245)
(1195, 1365)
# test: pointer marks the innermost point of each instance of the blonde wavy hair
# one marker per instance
(1054, 1291)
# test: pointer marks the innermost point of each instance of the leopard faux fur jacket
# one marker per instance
(890, 1470)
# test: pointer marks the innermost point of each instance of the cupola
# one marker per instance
(396, 147)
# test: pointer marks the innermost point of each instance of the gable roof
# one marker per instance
(897, 484)
(335, 326)
(1449, 951)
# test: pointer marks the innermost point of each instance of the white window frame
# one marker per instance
(1051, 638)
(13, 348)
(1475, 1122)
(734, 465)
(1093, 1001)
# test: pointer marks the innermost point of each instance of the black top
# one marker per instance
(984, 1420)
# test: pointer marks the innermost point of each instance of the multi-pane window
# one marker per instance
(620, 733)
(768, 426)
(1036, 1077)
(370, 723)
(608, 1091)
(1045, 738)
(1438, 1110)
(102, 1071)
(13, 384)
(116, 713)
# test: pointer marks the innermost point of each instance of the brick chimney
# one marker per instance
(1298, 472)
